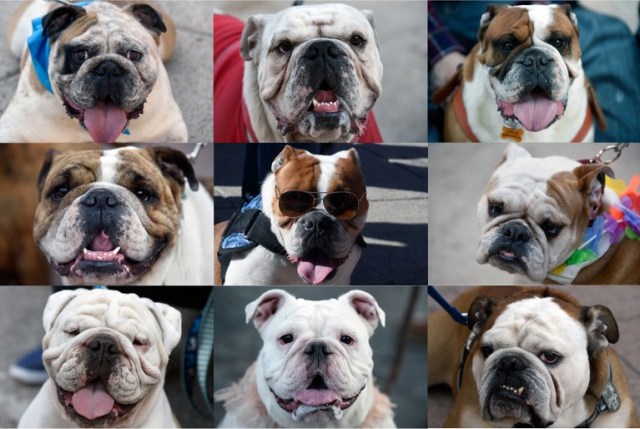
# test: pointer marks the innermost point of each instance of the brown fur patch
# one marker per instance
(509, 22)
(78, 28)
(349, 178)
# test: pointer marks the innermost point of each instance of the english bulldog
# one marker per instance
(92, 72)
(554, 219)
(533, 357)
(311, 74)
(523, 81)
(315, 367)
(313, 209)
(124, 216)
(106, 354)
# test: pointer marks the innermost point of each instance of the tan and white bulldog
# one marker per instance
(105, 77)
(315, 207)
(106, 354)
(125, 216)
(549, 219)
(523, 81)
(315, 367)
(312, 73)
(537, 357)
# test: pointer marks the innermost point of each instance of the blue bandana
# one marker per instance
(40, 48)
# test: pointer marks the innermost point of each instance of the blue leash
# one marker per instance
(453, 312)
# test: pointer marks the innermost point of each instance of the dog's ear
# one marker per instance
(170, 321)
(602, 328)
(369, 15)
(262, 309)
(284, 156)
(566, 9)
(480, 310)
(592, 179)
(59, 19)
(175, 165)
(146, 15)
(490, 12)
(251, 35)
(366, 306)
(56, 303)
(513, 152)
(44, 170)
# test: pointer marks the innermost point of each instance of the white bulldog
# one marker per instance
(315, 367)
(106, 353)
(312, 73)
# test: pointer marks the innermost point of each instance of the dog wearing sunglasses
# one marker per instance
(304, 228)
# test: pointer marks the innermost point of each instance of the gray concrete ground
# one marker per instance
(237, 344)
(401, 29)
(21, 331)
(459, 174)
(396, 228)
(621, 300)
(190, 69)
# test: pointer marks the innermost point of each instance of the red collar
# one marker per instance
(461, 115)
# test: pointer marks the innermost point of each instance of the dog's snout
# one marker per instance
(102, 198)
(108, 68)
(324, 50)
(512, 364)
(536, 58)
(317, 350)
(103, 345)
(516, 232)
(317, 222)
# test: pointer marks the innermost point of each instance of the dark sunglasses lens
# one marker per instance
(295, 203)
(343, 205)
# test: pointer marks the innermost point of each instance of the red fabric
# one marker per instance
(228, 67)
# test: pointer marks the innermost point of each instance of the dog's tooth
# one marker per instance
(85, 251)
(115, 251)
(315, 102)
(520, 390)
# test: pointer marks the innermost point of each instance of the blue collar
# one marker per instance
(40, 48)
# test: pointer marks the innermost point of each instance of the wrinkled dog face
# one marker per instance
(318, 242)
(535, 211)
(106, 352)
(531, 56)
(532, 362)
(316, 358)
(318, 68)
(106, 217)
(104, 63)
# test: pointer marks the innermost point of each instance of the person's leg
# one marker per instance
(611, 60)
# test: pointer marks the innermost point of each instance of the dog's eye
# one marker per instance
(81, 55)
(551, 230)
(495, 209)
(73, 331)
(58, 193)
(507, 45)
(356, 40)
(346, 339)
(134, 55)
(286, 339)
(139, 342)
(549, 357)
(558, 43)
(285, 47)
(486, 351)
(144, 195)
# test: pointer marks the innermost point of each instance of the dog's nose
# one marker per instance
(518, 233)
(317, 350)
(108, 68)
(103, 346)
(316, 221)
(103, 198)
(537, 58)
(323, 49)
(512, 363)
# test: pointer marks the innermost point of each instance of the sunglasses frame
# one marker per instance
(316, 195)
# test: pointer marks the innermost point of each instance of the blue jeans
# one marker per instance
(610, 58)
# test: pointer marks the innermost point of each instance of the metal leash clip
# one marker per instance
(617, 151)
(196, 151)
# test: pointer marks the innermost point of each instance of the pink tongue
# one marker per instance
(315, 397)
(105, 122)
(92, 401)
(536, 112)
(315, 267)
(322, 96)
(102, 243)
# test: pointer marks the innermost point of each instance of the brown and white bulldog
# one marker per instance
(537, 358)
(551, 220)
(103, 79)
(314, 208)
(124, 216)
(523, 81)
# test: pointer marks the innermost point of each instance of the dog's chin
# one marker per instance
(508, 261)
(91, 406)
